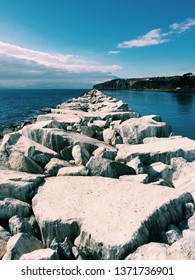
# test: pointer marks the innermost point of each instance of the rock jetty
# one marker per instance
(92, 179)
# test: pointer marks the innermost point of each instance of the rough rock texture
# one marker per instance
(19, 185)
(16, 142)
(63, 249)
(134, 130)
(162, 151)
(150, 251)
(186, 180)
(137, 165)
(66, 207)
(20, 244)
(54, 165)
(41, 254)
(23, 225)
(99, 166)
(80, 154)
(159, 170)
(10, 207)
(20, 162)
(4, 237)
(73, 171)
(172, 235)
(57, 139)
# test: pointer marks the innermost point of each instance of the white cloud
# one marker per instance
(114, 52)
(183, 26)
(156, 37)
(70, 63)
(21, 67)
(153, 37)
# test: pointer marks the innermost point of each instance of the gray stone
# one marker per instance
(102, 152)
(102, 124)
(178, 164)
(184, 249)
(159, 170)
(186, 180)
(99, 166)
(137, 165)
(10, 207)
(4, 237)
(20, 244)
(126, 215)
(19, 185)
(172, 235)
(40, 154)
(78, 254)
(22, 225)
(73, 171)
(66, 153)
(35, 151)
(88, 130)
(190, 209)
(80, 154)
(64, 249)
(109, 136)
(40, 254)
(191, 223)
(134, 130)
(54, 165)
(161, 182)
(122, 116)
(20, 162)
(150, 251)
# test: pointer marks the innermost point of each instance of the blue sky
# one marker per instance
(75, 44)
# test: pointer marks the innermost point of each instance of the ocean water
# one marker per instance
(17, 106)
(176, 109)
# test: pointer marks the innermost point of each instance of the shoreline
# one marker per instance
(152, 90)
(90, 161)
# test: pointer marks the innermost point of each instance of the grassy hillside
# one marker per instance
(172, 83)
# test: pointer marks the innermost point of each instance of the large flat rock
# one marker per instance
(162, 151)
(109, 218)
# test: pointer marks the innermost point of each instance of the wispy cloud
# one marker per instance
(114, 52)
(68, 62)
(157, 37)
(182, 26)
(153, 37)
(25, 67)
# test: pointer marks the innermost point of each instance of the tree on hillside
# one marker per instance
(185, 81)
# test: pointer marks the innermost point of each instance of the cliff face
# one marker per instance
(185, 82)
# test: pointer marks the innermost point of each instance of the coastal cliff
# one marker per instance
(92, 179)
(172, 83)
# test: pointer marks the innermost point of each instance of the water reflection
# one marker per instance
(184, 100)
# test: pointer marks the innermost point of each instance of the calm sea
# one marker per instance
(176, 109)
(17, 106)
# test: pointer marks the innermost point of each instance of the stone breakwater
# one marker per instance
(94, 180)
